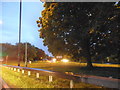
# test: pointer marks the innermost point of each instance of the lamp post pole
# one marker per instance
(19, 33)
(6, 59)
(26, 54)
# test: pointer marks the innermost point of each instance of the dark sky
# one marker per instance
(9, 23)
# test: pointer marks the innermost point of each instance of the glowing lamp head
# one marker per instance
(54, 60)
(65, 60)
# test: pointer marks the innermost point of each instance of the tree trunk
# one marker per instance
(87, 52)
(89, 62)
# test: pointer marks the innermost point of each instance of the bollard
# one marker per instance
(14, 69)
(18, 70)
(37, 75)
(50, 79)
(29, 73)
(22, 71)
(71, 83)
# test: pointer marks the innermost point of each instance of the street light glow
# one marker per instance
(54, 60)
(65, 60)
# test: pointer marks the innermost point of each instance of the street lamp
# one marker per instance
(6, 59)
(19, 33)
(26, 54)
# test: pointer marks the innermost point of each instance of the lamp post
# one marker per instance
(6, 59)
(19, 33)
(26, 54)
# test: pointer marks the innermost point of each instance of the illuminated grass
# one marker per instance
(105, 70)
(18, 80)
(107, 65)
(44, 64)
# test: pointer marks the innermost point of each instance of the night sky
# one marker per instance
(9, 23)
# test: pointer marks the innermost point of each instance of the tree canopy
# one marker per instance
(89, 30)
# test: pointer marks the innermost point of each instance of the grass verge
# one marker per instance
(18, 80)
(104, 70)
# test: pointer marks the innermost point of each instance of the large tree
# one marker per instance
(71, 28)
(106, 27)
(40, 54)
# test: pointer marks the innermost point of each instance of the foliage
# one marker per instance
(105, 34)
(80, 29)
(40, 54)
(33, 53)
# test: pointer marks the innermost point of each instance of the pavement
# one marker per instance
(101, 81)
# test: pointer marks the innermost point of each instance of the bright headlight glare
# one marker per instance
(54, 60)
(65, 60)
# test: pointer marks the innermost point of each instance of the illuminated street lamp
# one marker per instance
(65, 60)
(54, 60)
